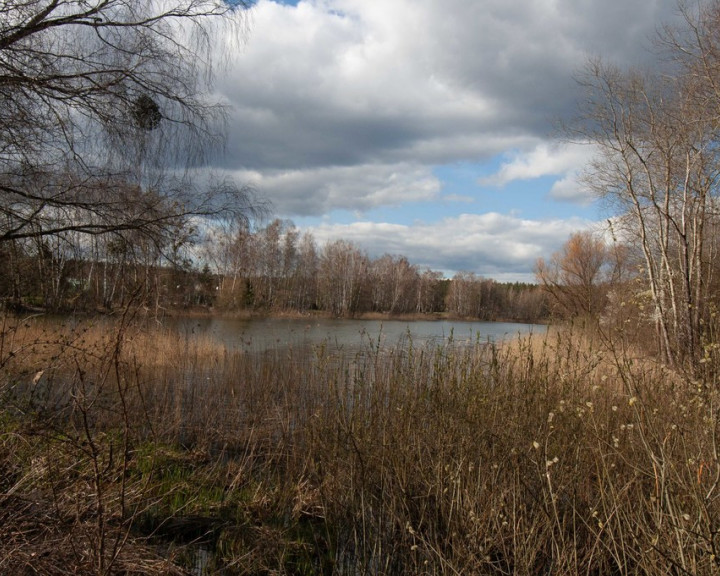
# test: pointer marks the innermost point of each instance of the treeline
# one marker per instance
(232, 267)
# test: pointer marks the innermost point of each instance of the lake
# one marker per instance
(258, 335)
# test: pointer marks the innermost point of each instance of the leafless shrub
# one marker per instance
(552, 454)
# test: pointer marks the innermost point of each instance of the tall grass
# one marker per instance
(121, 444)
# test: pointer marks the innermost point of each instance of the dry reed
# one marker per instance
(555, 454)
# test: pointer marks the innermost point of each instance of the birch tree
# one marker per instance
(343, 271)
(657, 137)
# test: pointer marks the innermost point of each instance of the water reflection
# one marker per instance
(344, 334)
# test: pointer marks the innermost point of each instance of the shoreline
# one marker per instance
(209, 312)
(293, 314)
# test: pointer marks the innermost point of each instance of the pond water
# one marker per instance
(345, 334)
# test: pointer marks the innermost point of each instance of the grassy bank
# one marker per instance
(122, 448)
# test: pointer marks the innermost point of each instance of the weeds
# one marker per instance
(122, 450)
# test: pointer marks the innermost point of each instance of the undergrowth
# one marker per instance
(126, 449)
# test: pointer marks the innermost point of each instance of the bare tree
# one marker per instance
(577, 276)
(394, 284)
(430, 295)
(464, 295)
(305, 289)
(654, 165)
(342, 277)
(100, 100)
(658, 163)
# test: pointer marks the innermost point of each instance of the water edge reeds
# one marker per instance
(126, 449)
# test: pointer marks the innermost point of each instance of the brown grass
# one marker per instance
(562, 454)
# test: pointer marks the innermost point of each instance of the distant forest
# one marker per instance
(231, 267)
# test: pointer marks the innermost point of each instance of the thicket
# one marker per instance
(126, 449)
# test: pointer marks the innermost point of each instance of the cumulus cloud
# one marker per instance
(340, 81)
(543, 160)
(571, 188)
(353, 104)
(348, 81)
(355, 188)
(492, 245)
(566, 161)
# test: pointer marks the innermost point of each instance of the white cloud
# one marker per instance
(493, 245)
(458, 198)
(570, 188)
(566, 161)
(355, 188)
(353, 104)
(355, 81)
(544, 160)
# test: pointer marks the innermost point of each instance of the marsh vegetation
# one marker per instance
(129, 450)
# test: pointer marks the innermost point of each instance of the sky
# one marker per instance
(427, 128)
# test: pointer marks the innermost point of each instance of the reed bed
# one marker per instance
(129, 449)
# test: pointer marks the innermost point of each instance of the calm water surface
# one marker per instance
(279, 333)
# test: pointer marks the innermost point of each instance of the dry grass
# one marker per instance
(564, 454)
